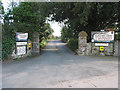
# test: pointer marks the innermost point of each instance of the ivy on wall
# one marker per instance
(8, 41)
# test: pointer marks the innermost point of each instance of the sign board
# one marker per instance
(106, 36)
(29, 45)
(21, 36)
(101, 44)
(101, 48)
(21, 43)
(21, 50)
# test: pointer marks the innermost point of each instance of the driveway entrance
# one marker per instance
(57, 66)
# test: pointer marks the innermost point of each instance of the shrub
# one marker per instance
(43, 43)
(117, 36)
(7, 46)
(64, 39)
(73, 44)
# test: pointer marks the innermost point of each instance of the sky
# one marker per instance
(5, 4)
(54, 25)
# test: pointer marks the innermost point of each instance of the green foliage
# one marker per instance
(66, 34)
(43, 43)
(73, 44)
(46, 32)
(26, 17)
(77, 16)
(85, 16)
(117, 36)
(1, 8)
(8, 41)
(7, 47)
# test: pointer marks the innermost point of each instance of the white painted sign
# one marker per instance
(101, 44)
(21, 36)
(21, 50)
(107, 36)
(21, 43)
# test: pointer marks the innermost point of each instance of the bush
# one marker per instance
(7, 46)
(64, 39)
(117, 36)
(73, 44)
(43, 43)
(8, 40)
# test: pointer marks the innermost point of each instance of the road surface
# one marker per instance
(58, 66)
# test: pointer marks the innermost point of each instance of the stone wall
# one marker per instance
(110, 50)
(117, 48)
(89, 49)
(84, 48)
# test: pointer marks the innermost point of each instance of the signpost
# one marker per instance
(101, 44)
(21, 36)
(21, 50)
(29, 45)
(101, 49)
(21, 43)
(102, 37)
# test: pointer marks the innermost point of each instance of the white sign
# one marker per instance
(21, 36)
(101, 44)
(107, 36)
(21, 43)
(21, 50)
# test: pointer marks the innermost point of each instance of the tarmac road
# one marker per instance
(58, 64)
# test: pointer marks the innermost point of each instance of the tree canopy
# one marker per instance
(76, 16)
(25, 17)
(85, 16)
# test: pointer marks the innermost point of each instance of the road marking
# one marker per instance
(49, 49)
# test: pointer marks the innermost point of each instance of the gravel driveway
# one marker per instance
(57, 64)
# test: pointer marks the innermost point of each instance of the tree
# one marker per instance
(25, 17)
(84, 15)
(31, 16)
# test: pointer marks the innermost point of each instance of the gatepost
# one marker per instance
(82, 43)
(35, 43)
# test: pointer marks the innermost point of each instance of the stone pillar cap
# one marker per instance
(83, 34)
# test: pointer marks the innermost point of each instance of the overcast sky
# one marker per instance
(54, 25)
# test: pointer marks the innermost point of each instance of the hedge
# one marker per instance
(73, 44)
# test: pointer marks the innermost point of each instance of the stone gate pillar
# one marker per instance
(82, 43)
(35, 43)
(118, 49)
